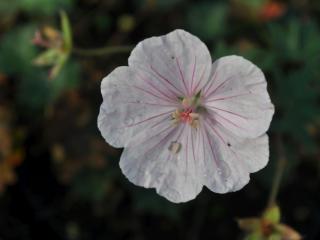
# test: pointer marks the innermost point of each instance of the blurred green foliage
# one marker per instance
(206, 19)
(37, 7)
(34, 90)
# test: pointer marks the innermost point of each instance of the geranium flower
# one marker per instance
(184, 122)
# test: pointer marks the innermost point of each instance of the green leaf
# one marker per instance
(37, 7)
(66, 31)
(255, 4)
(47, 58)
(157, 4)
(208, 20)
(68, 78)
(43, 6)
(17, 51)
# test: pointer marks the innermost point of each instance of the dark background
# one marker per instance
(60, 180)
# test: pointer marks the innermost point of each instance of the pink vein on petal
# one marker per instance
(148, 119)
(152, 94)
(154, 104)
(187, 158)
(182, 77)
(198, 83)
(193, 71)
(214, 130)
(194, 157)
(165, 79)
(233, 113)
(223, 140)
(210, 82)
(227, 120)
(212, 150)
(228, 97)
(160, 142)
(159, 122)
(157, 89)
(216, 89)
(157, 144)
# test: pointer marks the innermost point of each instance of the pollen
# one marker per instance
(186, 116)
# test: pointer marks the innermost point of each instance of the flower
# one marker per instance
(184, 122)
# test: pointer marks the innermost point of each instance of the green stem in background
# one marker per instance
(280, 167)
(104, 51)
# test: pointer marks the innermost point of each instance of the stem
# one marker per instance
(104, 51)
(281, 163)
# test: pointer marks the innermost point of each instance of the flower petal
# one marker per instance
(179, 60)
(237, 156)
(152, 164)
(130, 106)
(237, 97)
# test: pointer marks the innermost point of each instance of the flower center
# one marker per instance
(188, 113)
(185, 116)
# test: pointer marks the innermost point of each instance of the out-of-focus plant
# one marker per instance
(258, 10)
(268, 227)
(58, 45)
(296, 52)
(208, 19)
(33, 91)
(37, 7)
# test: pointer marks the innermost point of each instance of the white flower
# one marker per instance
(184, 122)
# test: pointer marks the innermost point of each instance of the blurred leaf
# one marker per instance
(66, 31)
(46, 58)
(44, 6)
(17, 51)
(33, 91)
(158, 4)
(255, 4)
(37, 7)
(253, 236)
(262, 58)
(208, 20)
(68, 78)
(296, 78)
(8, 7)
(294, 40)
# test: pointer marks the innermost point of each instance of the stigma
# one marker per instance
(188, 113)
(186, 116)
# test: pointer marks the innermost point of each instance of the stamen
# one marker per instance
(189, 112)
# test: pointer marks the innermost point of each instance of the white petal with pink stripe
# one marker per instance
(184, 122)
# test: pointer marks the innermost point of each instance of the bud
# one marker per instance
(268, 227)
(272, 214)
(58, 44)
